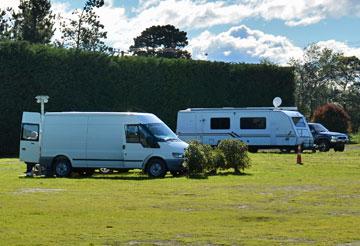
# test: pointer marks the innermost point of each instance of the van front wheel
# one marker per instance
(156, 168)
(62, 167)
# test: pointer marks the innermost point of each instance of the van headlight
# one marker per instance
(178, 155)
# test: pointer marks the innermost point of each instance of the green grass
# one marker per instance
(277, 202)
(355, 138)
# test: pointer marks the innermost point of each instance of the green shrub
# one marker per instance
(195, 159)
(333, 117)
(235, 153)
(208, 165)
(218, 160)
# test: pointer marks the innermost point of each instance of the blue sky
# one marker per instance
(233, 30)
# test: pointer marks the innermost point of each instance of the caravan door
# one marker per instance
(30, 138)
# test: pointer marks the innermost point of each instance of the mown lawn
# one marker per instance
(277, 202)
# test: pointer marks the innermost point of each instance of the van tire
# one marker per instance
(156, 168)
(323, 145)
(62, 167)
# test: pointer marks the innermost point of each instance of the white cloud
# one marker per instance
(9, 3)
(340, 47)
(201, 13)
(240, 44)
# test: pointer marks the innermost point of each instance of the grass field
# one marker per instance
(277, 202)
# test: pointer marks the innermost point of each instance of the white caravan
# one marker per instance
(259, 127)
(84, 141)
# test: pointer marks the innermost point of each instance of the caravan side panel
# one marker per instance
(188, 127)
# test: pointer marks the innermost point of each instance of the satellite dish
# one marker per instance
(277, 102)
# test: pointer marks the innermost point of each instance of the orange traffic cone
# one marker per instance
(298, 157)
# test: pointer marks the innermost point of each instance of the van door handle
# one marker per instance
(123, 146)
(23, 148)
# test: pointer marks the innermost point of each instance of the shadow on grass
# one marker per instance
(118, 177)
(229, 173)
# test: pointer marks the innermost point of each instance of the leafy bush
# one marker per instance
(195, 159)
(333, 117)
(235, 153)
(218, 160)
(202, 159)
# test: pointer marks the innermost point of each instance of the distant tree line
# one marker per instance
(324, 76)
(34, 22)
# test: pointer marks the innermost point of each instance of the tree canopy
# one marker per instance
(325, 76)
(85, 30)
(162, 41)
(34, 22)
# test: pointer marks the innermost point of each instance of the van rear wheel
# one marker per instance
(62, 167)
(156, 168)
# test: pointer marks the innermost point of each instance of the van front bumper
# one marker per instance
(175, 164)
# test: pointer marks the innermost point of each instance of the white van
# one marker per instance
(84, 141)
(259, 127)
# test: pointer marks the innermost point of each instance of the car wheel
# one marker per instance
(324, 145)
(62, 167)
(156, 168)
(340, 147)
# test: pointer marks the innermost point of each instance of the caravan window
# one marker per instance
(299, 121)
(220, 123)
(253, 123)
(30, 132)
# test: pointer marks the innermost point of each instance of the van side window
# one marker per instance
(132, 134)
(253, 123)
(30, 132)
(220, 123)
(137, 134)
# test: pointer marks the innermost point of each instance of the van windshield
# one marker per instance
(299, 121)
(161, 131)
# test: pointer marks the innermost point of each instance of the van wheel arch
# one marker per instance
(62, 166)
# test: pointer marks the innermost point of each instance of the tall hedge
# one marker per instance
(82, 81)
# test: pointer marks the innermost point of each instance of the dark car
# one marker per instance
(324, 139)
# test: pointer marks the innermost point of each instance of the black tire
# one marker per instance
(86, 172)
(156, 168)
(323, 145)
(339, 147)
(62, 167)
